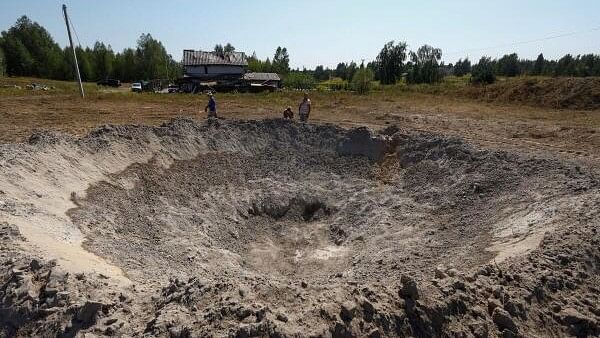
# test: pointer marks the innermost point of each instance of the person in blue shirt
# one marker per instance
(211, 107)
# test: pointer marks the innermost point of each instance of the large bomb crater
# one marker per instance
(273, 207)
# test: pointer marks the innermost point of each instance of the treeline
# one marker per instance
(27, 49)
(279, 65)
(394, 63)
(511, 65)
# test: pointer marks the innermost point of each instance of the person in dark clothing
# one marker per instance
(288, 113)
(211, 107)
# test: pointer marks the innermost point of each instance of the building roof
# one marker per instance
(262, 77)
(201, 58)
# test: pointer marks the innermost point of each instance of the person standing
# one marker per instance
(211, 107)
(304, 108)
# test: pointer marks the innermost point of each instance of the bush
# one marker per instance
(361, 81)
(336, 83)
(483, 72)
(298, 80)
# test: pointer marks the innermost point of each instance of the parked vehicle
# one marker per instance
(136, 87)
(172, 88)
(109, 83)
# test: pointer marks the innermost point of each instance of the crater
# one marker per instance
(283, 201)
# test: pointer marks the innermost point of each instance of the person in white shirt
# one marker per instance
(304, 108)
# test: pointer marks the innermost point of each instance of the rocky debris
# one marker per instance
(285, 230)
(409, 288)
(504, 321)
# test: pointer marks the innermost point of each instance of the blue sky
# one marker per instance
(326, 32)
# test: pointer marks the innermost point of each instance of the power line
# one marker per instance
(526, 41)
(75, 31)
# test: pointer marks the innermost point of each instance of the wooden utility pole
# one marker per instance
(64, 7)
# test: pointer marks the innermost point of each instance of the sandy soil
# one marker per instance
(273, 228)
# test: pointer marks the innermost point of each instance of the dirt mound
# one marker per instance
(560, 92)
(271, 228)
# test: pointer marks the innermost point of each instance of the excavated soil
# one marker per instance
(272, 228)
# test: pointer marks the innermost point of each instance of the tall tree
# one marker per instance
(539, 65)
(219, 49)
(151, 58)
(462, 67)
(361, 81)
(228, 48)
(340, 70)
(565, 66)
(508, 65)
(425, 65)
(281, 61)
(2, 63)
(103, 59)
(390, 62)
(30, 50)
(483, 71)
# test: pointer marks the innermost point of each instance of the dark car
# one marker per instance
(109, 83)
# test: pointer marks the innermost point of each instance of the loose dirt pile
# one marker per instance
(561, 92)
(271, 228)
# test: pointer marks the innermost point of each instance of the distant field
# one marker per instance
(501, 115)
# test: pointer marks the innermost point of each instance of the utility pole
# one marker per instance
(64, 7)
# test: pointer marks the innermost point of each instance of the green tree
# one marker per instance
(19, 61)
(281, 61)
(483, 71)
(30, 50)
(257, 65)
(341, 71)
(103, 59)
(362, 80)
(320, 74)
(351, 69)
(390, 62)
(2, 63)
(425, 66)
(299, 80)
(125, 67)
(462, 67)
(539, 65)
(219, 50)
(86, 67)
(151, 58)
(508, 65)
(228, 48)
(565, 66)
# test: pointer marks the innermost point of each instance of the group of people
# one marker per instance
(303, 109)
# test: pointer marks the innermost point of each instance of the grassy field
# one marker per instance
(449, 108)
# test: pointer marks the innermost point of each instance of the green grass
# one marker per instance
(55, 87)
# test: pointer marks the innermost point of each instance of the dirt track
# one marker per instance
(273, 228)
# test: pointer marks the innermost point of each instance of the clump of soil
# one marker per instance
(272, 228)
(560, 92)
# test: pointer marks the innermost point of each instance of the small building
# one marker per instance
(222, 71)
(210, 65)
(261, 81)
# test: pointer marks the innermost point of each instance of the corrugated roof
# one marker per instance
(201, 58)
(262, 77)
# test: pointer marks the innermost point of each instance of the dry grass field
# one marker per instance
(450, 108)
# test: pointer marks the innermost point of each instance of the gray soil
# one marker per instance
(272, 228)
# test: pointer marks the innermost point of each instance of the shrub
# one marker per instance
(298, 80)
(336, 83)
(361, 81)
